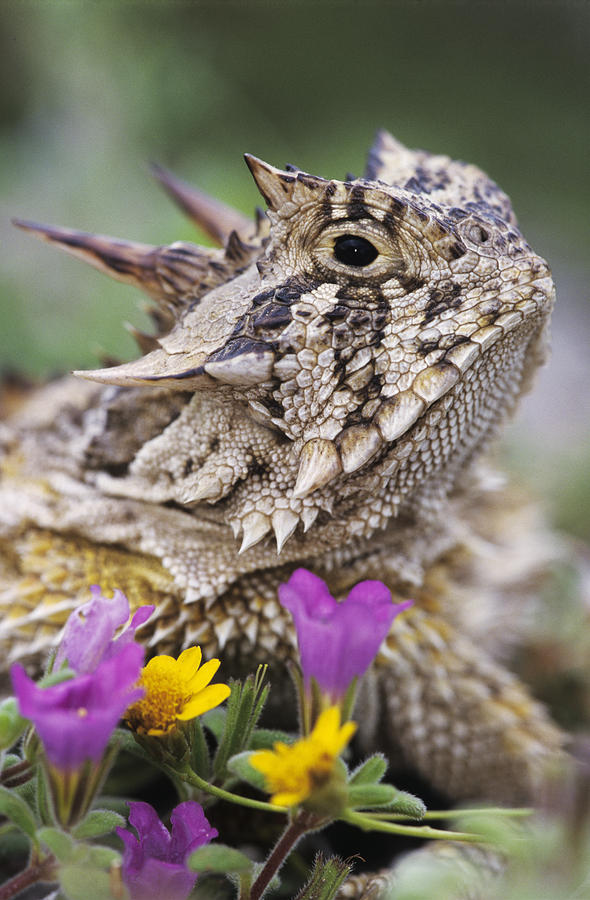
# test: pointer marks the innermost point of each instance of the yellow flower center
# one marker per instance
(165, 695)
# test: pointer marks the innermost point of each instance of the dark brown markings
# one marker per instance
(440, 299)
(274, 405)
(293, 288)
(356, 207)
(390, 222)
(261, 298)
(257, 467)
(337, 312)
(423, 348)
(236, 250)
(457, 250)
(327, 210)
(272, 317)
(359, 317)
(397, 207)
(237, 347)
(415, 186)
(313, 182)
(187, 468)
(410, 283)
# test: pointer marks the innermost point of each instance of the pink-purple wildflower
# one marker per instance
(76, 718)
(89, 634)
(154, 860)
(337, 641)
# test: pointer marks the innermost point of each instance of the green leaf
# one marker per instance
(240, 765)
(327, 877)
(12, 723)
(218, 858)
(20, 814)
(369, 795)
(97, 822)
(407, 805)
(200, 758)
(371, 771)
(59, 843)
(265, 738)
(244, 707)
(84, 883)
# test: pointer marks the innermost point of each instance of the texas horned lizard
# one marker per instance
(316, 394)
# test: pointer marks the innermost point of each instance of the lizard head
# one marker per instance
(341, 361)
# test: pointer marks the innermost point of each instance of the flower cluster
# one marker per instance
(98, 678)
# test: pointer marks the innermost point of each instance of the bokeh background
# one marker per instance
(90, 92)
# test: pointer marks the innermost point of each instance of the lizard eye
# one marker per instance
(354, 251)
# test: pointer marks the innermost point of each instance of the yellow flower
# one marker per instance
(293, 772)
(175, 690)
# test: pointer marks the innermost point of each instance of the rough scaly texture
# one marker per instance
(316, 393)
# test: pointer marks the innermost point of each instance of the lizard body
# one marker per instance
(318, 393)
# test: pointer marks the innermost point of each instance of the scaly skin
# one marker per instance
(308, 399)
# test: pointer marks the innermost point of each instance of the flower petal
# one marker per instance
(190, 829)
(205, 700)
(306, 591)
(189, 661)
(90, 629)
(203, 676)
(154, 837)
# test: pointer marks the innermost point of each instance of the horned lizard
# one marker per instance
(318, 393)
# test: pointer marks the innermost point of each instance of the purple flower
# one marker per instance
(76, 718)
(337, 641)
(154, 861)
(89, 634)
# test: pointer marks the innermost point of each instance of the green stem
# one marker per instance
(294, 830)
(455, 814)
(514, 813)
(367, 823)
(196, 781)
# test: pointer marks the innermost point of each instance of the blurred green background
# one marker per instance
(90, 92)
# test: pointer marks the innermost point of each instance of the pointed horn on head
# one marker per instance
(177, 372)
(126, 261)
(275, 185)
(383, 154)
(279, 187)
(215, 218)
(164, 273)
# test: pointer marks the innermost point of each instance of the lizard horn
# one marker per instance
(215, 218)
(164, 273)
(279, 186)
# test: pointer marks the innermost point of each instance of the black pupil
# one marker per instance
(354, 251)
